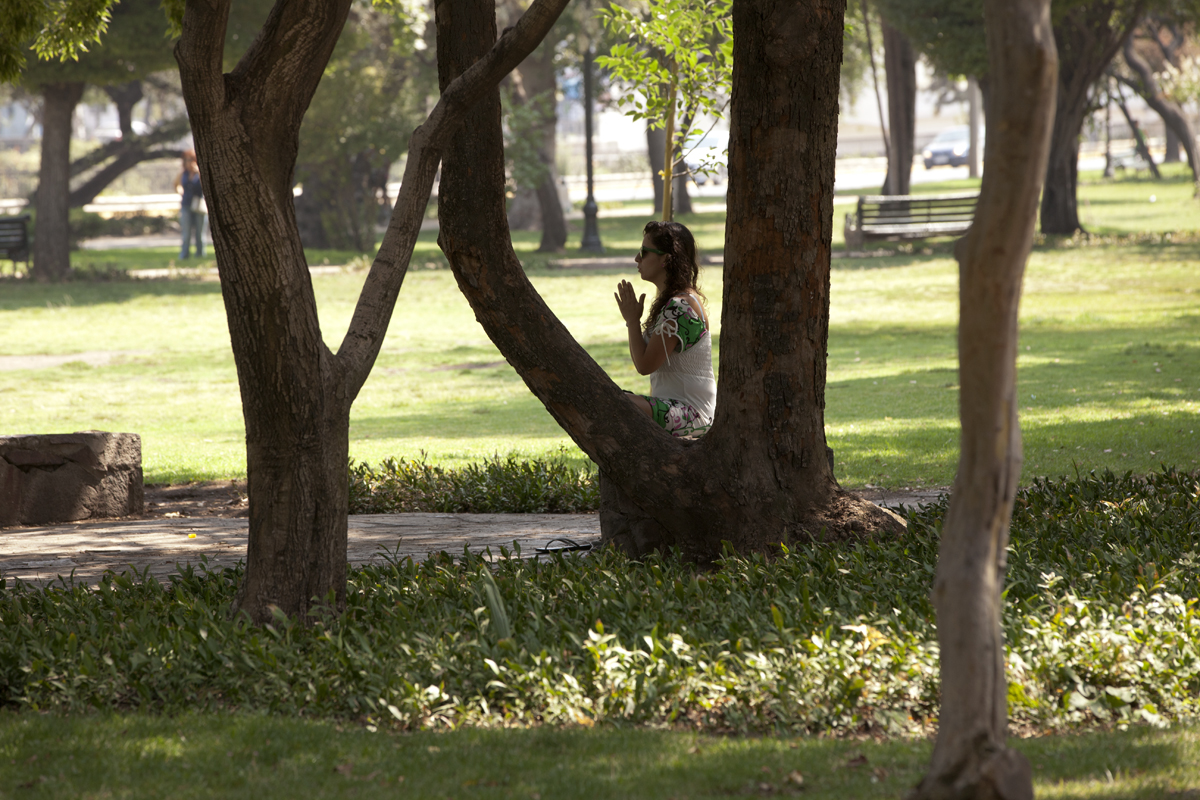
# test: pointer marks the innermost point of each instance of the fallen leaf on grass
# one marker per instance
(857, 761)
(795, 778)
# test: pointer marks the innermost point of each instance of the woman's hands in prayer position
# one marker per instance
(631, 306)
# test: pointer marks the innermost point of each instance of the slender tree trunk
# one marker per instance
(655, 147)
(1087, 35)
(51, 248)
(1139, 140)
(761, 475)
(971, 759)
(296, 393)
(900, 65)
(1173, 116)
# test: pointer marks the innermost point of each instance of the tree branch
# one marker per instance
(124, 162)
(378, 298)
(276, 78)
(1164, 106)
(201, 46)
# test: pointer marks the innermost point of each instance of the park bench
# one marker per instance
(14, 239)
(909, 217)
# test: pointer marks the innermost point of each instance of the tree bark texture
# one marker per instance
(51, 236)
(1087, 36)
(900, 65)
(760, 476)
(971, 759)
(1173, 116)
(296, 393)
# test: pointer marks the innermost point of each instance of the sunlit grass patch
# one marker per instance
(1107, 361)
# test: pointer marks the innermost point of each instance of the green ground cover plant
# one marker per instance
(193, 755)
(636, 663)
(1101, 623)
(495, 486)
(1107, 372)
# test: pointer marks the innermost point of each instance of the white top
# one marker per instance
(686, 376)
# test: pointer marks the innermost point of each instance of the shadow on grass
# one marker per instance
(27, 294)
(245, 755)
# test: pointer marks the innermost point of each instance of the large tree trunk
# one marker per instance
(1087, 35)
(1174, 117)
(296, 394)
(51, 248)
(900, 65)
(760, 476)
(971, 759)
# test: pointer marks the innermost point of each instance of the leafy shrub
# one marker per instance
(496, 486)
(821, 638)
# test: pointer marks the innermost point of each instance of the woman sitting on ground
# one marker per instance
(674, 347)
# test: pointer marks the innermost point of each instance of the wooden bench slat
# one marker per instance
(912, 216)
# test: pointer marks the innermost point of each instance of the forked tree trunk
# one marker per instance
(51, 238)
(296, 393)
(971, 759)
(1087, 35)
(900, 65)
(760, 476)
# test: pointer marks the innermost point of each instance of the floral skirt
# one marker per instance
(676, 417)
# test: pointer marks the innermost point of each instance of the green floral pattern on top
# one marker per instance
(678, 318)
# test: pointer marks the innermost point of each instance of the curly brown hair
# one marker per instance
(680, 263)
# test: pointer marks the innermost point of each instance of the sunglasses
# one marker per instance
(648, 250)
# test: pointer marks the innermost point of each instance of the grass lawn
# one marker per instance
(256, 756)
(1109, 372)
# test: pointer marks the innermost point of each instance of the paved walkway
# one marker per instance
(40, 554)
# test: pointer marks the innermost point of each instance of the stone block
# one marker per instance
(64, 477)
